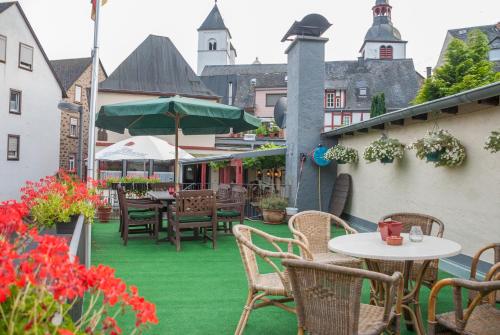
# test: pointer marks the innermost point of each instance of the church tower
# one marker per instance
(214, 42)
(383, 40)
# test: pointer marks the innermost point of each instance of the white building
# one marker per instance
(214, 42)
(29, 94)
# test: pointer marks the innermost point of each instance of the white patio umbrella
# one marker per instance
(141, 148)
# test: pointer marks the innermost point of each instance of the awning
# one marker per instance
(240, 155)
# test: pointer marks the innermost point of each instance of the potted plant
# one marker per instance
(342, 154)
(441, 148)
(59, 201)
(274, 131)
(104, 212)
(273, 209)
(217, 165)
(384, 150)
(493, 143)
(261, 132)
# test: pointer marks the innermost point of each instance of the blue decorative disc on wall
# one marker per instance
(319, 156)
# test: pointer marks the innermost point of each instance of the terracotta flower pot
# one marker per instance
(104, 214)
(273, 216)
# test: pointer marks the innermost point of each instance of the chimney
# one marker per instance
(429, 72)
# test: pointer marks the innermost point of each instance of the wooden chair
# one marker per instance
(233, 210)
(122, 197)
(313, 228)
(193, 210)
(224, 193)
(478, 318)
(138, 217)
(328, 299)
(264, 286)
(430, 226)
(475, 262)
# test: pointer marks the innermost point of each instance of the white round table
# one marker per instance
(370, 247)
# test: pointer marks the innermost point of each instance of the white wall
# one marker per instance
(372, 50)
(466, 199)
(39, 122)
(221, 56)
(495, 55)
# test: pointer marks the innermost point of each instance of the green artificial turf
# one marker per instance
(199, 290)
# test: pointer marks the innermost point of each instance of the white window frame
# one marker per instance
(71, 162)
(363, 91)
(348, 118)
(23, 63)
(16, 155)
(73, 127)
(230, 93)
(3, 49)
(338, 102)
(281, 95)
(78, 94)
(19, 95)
(330, 99)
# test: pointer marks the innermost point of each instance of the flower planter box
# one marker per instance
(434, 156)
(341, 162)
(67, 228)
(272, 216)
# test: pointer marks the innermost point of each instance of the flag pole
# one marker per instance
(92, 112)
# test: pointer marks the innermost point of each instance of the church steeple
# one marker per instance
(383, 40)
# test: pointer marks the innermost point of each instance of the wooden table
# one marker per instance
(161, 196)
(370, 247)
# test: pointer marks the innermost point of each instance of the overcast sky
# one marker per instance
(257, 26)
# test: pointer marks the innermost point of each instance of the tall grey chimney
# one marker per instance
(305, 121)
(429, 71)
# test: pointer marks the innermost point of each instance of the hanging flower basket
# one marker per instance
(493, 143)
(342, 154)
(385, 150)
(440, 148)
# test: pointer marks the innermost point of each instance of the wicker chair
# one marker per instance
(430, 226)
(263, 286)
(475, 263)
(138, 217)
(313, 228)
(192, 210)
(478, 318)
(233, 210)
(224, 193)
(328, 299)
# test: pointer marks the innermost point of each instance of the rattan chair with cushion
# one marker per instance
(328, 299)
(233, 210)
(265, 289)
(430, 226)
(475, 262)
(313, 228)
(479, 318)
(193, 210)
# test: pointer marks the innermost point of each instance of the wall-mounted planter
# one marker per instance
(387, 160)
(67, 228)
(434, 156)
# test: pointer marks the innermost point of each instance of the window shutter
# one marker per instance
(3, 48)
(26, 56)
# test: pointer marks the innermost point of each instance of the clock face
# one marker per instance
(319, 156)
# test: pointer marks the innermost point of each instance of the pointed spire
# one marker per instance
(214, 21)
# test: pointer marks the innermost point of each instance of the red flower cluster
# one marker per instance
(47, 268)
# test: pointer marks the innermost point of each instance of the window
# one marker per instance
(71, 162)
(338, 102)
(73, 127)
(25, 57)
(78, 94)
(15, 102)
(230, 93)
(3, 49)
(212, 44)
(13, 147)
(346, 120)
(272, 99)
(386, 52)
(363, 92)
(330, 99)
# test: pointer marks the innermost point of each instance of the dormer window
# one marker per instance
(386, 52)
(363, 92)
(212, 44)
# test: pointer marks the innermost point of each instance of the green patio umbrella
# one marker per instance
(165, 116)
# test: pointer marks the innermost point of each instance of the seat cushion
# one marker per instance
(270, 283)
(142, 215)
(371, 319)
(484, 320)
(228, 213)
(138, 210)
(193, 219)
(337, 259)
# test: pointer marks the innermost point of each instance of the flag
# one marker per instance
(93, 2)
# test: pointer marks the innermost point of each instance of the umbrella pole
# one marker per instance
(176, 173)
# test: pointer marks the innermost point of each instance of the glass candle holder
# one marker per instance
(416, 234)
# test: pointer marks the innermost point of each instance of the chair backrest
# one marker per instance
(475, 260)
(249, 252)
(224, 192)
(328, 297)
(426, 222)
(313, 228)
(195, 203)
(121, 198)
(238, 194)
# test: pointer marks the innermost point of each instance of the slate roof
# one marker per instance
(490, 30)
(382, 30)
(6, 5)
(156, 67)
(214, 21)
(397, 79)
(69, 70)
